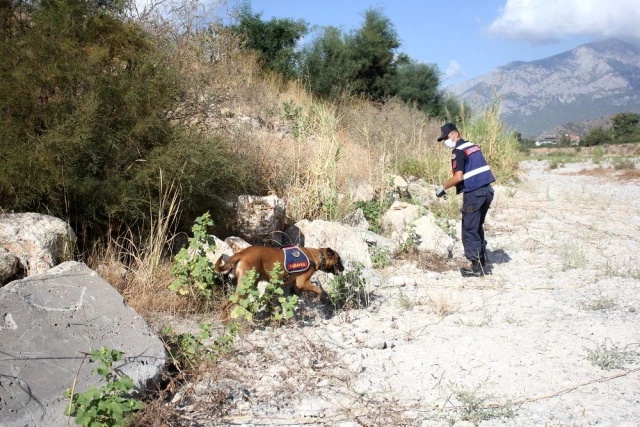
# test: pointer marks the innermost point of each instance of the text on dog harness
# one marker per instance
(295, 260)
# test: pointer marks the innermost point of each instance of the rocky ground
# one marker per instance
(550, 337)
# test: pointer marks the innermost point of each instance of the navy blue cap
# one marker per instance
(445, 130)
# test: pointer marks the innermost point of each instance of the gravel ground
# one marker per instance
(546, 339)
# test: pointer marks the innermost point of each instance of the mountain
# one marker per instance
(590, 81)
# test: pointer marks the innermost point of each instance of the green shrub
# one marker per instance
(475, 407)
(187, 349)
(249, 301)
(85, 122)
(194, 274)
(597, 155)
(380, 256)
(410, 243)
(349, 290)
(624, 164)
(92, 106)
(108, 405)
(610, 355)
(373, 212)
(412, 167)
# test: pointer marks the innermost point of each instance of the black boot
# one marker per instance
(483, 257)
(476, 270)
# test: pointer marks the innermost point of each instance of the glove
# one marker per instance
(440, 191)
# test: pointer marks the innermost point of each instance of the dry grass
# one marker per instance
(140, 267)
(631, 149)
(431, 261)
(309, 151)
(143, 293)
(305, 150)
(442, 305)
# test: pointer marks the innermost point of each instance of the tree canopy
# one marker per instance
(86, 97)
(373, 51)
(625, 124)
(275, 40)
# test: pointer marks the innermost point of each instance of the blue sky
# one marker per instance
(468, 38)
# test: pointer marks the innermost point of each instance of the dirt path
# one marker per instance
(512, 348)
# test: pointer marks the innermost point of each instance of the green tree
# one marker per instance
(418, 83)
(327, 67)
(82, 101)
(373, 51)
(86, 100)
(597, 136)
(274, 40)
(454, 110)
(625, 124)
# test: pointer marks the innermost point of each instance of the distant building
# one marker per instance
(546, 140)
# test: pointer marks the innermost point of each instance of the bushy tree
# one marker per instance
(366, 62)
(373, 49)
(327, 67)
(82, 101)
(86, 100)
(275, 40)
(625, 124)
(418, 83)
(597, 136)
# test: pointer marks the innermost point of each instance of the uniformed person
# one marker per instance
(472, 177)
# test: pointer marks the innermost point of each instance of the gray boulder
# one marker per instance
(422, 193)
(398, 217)
(46, 322)
(349, 243)
(356, 219)
(8, 265)
(362, 191)
(432, 238)
(260, 219)
(38, 241)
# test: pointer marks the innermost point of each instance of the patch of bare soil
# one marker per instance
(550, 337)
(609, 173)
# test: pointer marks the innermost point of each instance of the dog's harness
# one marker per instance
(295, 260)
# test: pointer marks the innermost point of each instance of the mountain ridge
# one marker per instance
(589, 81)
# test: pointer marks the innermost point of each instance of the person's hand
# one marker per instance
(440, 191)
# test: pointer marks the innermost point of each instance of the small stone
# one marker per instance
(376, 343)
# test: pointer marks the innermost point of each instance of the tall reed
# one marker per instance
(499, 145)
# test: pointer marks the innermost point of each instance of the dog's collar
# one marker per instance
(323, 262)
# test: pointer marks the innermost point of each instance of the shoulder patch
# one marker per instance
(469, 151)
(453, 156)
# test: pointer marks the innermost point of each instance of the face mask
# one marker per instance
(449, 143)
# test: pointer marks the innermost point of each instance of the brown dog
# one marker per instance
(263, 259)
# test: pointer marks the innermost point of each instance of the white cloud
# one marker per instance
(454, 71)
(544, 21)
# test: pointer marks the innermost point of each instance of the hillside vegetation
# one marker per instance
(130, 125)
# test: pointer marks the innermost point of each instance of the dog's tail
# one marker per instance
(224, 267)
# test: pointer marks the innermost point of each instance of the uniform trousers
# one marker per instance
(475, 205)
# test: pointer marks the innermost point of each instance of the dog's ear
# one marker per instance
(330, 252)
